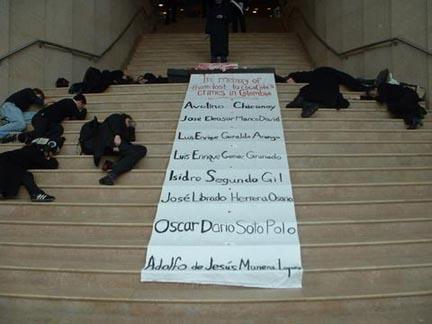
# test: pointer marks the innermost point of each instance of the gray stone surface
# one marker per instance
(88, 25)
(4, 48)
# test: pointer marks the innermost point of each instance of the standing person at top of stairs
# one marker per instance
(14, 112)
(171, 11)
(114, 137)
(238, 10)
(14, 166)
(322, 89)
(217, 26)
(47, 122)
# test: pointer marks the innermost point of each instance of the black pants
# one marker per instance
(28, 182)
(238, 18)
(219, 43)
(345, 79)
(171, 14)
(129, 155)
(42, 127)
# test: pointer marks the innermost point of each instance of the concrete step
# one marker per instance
(63, 258)
(162, 69)
(298, 176)
(122, 233)
(125, 286)
(241, 58)
(126, 97)
(80, 212)
(299, 135)
(381, 309)
(286, 113)
(138, 235)
(295, 160)
(288, 123)
(302, 193)
(298, 147)
(156, 88)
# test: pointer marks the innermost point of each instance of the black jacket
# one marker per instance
(62, 109)
(113, 125)
(13, 164)
(323, 87)
(402, 102)
(23, 99)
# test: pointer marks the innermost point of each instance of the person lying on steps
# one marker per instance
(113, 137)
(47, 122)
(14, 166)
(14, 112)
(322, 89)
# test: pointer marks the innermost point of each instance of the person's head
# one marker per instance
(290, 81)
(62, 83)
(39, 93)
(80, 100)
(129, 121)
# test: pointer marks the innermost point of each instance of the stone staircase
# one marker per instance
(362, 185)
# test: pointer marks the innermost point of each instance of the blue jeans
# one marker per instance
(16, 120)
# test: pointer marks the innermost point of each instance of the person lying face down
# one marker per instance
(14, 166)
(150, 78)
(47, 122)
(322, 89)
(14, 112)
(113, 137)
(401, 101)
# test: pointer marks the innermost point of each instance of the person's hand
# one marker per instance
(117, 140)
(290, 81)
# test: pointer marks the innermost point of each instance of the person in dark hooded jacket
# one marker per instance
(402, 102)
(113, 137)
(322, 89)
(14, 166)
(47, 121)
(217, 26)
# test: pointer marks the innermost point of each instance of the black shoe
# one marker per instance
(108, 165)
(296, 103)
(213, 59)
(9, 138)
(42, 197)
(414, 123)
(223, 59)
(309, 109)
(106, 181)
(24, 138)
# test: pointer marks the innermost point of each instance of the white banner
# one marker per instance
(226, 212)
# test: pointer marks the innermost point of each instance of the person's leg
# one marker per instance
(242, 21)
(40, 127)
(55, 132)
(28, 116)
(296, 103)
(36, 193)
(350, 82)
(14, 118)
(235, 18)
(213, 49)
(130, 154)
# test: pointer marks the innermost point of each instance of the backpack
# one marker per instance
(87, 134)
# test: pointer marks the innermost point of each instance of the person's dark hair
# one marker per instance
(126, 116)
(39, 92)
(62, 83)
(80, 97)
(149, 76)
